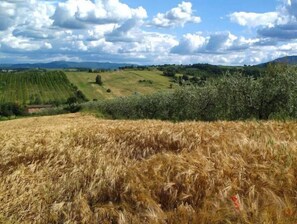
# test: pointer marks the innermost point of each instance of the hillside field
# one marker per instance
(34, 87)
(78, 169)
(121, 83)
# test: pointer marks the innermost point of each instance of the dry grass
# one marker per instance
(78, 169)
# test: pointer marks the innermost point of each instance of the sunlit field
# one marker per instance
(79, 169)
(121, 83)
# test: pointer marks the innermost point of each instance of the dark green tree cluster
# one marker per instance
(145, 81)
(73, 102)
(169, 72)
(98, 80)
(10, 109)
(212, 71)
(97, 70)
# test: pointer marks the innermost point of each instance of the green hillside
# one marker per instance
(121, 83)
(35, 87)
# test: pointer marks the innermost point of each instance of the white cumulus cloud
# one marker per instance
(189, 44)
(77, 14)
(216, 43)
(176, 17)
(280, 24)
(252, 19)
(110, 30)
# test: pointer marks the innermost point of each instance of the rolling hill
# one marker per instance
(35, 87)
(292, 60)
(39, 86)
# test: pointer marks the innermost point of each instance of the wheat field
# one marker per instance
(80, 169)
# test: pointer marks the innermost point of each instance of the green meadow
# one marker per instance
(121, 83)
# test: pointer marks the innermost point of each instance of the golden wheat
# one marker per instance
(79, 169)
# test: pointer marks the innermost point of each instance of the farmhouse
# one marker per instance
(30, 109)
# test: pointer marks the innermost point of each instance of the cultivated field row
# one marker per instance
(35, 87)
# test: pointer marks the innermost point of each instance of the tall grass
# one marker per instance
(78, 169)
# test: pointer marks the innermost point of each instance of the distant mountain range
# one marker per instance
(107, 65)
(288, 60)
(65, 65)
(291, 60)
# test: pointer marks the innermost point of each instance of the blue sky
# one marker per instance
(229, 32)
(212, 12)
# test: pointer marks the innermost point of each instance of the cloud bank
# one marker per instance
(110, 30)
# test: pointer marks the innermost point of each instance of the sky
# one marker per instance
(225, 32)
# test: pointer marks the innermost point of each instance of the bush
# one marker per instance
(11, 109)
(73, 105)
(170, 72)
(145, 81)
(53, 111)
(99, 80)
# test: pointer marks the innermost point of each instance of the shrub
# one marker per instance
(10, 109)
(73, 105)
(170, 72)
(99, 80)
(80, 96)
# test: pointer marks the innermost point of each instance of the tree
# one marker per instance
(99, 80)
(170, 72)
(72, 100)
(185, 77)
(73, 105)
(9, 109)
(80, 96)
(276, 88)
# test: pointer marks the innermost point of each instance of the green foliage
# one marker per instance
(205, 71)
(185, 77)
(73, 102)
(208, 71)
(198, 80)
(279, 88)
(230, 97)
(11, 109)
(35, 99)
(145, 81)
(80, 96)
(98, 80)
(169, 72)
